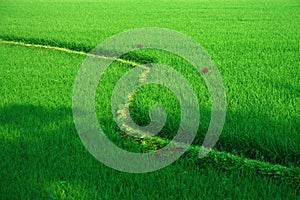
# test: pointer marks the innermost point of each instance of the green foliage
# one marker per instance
(255, 46)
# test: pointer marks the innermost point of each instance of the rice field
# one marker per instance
(255, 46)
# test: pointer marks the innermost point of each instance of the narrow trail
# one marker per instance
(216, 159)
(134, 64)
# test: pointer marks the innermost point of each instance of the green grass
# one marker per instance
(255, 46)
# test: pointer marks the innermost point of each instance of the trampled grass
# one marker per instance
(254, 45)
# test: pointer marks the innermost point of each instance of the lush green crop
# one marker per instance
(255, 46)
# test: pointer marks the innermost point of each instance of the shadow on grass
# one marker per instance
(38, 145)
(245, 134)
(257, 137)
(43, 157)
(133, 56)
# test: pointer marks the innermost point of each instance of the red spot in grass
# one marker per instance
(205, 70)
(178, 149)
(139, 46)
